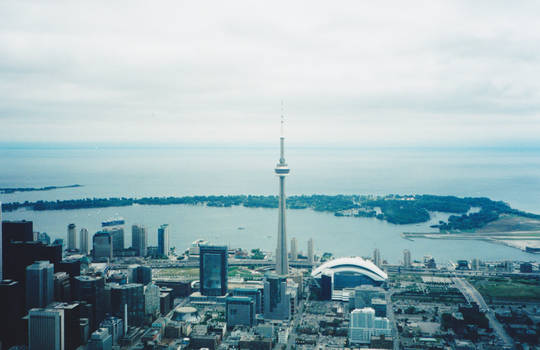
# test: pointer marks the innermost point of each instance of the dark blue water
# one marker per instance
(509, 175)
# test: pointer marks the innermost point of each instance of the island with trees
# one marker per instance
(5, 190)
(468, 213)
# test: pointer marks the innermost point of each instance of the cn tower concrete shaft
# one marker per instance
(282, 170)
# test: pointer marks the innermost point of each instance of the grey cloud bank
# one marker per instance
(435, 72)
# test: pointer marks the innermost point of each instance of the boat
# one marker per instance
(534, 250)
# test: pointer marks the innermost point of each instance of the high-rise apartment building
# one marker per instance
(163, 240)
(72, 237)
(39, 284)
(46, 329)
(311, 257)
(83, 241)
(213, 270)
(294, 250)
(377, 257)
(364, 324)
(407, 258)
(139, 240)
(475, 264)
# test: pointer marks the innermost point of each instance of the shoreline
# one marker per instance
(514, 239)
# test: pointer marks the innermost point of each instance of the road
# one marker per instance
(472, 295)
(294, 323)
(391, 317)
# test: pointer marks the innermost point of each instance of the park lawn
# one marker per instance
(179, 272)
(191, 273)
(509, 290)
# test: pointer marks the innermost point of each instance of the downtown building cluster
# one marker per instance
(54, 298)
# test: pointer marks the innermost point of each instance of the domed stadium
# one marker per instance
(351, 272)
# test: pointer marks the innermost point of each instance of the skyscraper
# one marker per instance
(46, 329)
(406, 258)
(139, 274)
(254, 293)
(83, 238)
(103, 245)
(62, 287)
(277, 302)
(377, 257)
(12, 306)
(163, 240)
(39, 284)
(282, 170)
(151, 300)
(213, 269)
(72, 237)
(115, 227)
(310, 255)
(1, 246)
(21, 231)
(240, 311)
(22, 254)
(91, 290)
(294, 249)
(139, 239)
(132, 295)
(72, 315)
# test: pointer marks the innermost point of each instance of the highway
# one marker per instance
(157, 264)
(472, 295)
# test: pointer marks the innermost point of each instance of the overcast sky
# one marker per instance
(354, 73)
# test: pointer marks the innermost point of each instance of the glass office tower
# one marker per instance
(213, 267)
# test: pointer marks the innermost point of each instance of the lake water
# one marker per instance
(509, 175)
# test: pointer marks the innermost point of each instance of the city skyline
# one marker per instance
(413, 213)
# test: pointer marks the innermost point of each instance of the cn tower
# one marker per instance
(282, 170)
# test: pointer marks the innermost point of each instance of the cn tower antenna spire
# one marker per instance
(282, 121)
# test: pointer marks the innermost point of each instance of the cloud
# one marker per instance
(415, 72)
